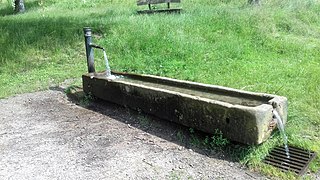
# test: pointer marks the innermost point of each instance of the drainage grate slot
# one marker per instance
(298, 161)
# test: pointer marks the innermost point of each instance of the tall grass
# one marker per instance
(273, 48)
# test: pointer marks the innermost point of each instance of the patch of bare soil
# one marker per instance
(45, 135)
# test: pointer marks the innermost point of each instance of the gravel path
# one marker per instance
(44, 135)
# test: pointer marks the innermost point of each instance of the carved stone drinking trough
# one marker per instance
(241, 116)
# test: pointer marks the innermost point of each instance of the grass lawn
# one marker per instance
(273, 48)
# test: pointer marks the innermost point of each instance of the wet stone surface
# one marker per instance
(44, 135)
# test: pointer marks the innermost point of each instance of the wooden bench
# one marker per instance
(152, 10)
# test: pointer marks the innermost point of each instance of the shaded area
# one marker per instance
(32, 43)
(198, 141)
(45, 136)
(9, 10)
(46, 34)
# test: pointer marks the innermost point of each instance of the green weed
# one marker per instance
(144, 121)
(175, 175)
(216, 141)
(181, 137)
(70, 89)
(86, 99)
(194, 139)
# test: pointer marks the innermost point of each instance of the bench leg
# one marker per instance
(149, 6)
(168, 5)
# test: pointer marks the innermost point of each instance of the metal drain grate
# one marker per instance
(298, 161)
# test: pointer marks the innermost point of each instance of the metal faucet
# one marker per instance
(89, 49)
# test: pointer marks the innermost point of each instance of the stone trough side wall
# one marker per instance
(244, 124)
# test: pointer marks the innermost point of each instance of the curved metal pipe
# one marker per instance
(96, 46)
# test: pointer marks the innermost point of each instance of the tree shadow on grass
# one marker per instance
(9, 10)
(44, 34)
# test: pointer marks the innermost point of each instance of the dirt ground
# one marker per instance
(46, 135)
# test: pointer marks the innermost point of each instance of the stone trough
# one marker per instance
(241, 116)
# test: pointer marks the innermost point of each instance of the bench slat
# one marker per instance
(145, 2)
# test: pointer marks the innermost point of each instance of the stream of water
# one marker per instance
(282, 132)
(108, 69)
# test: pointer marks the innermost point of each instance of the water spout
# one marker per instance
(96, 46)
(89, 52)
(108, 69)
(282, 131)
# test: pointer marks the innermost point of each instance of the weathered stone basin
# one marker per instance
(242, 116)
